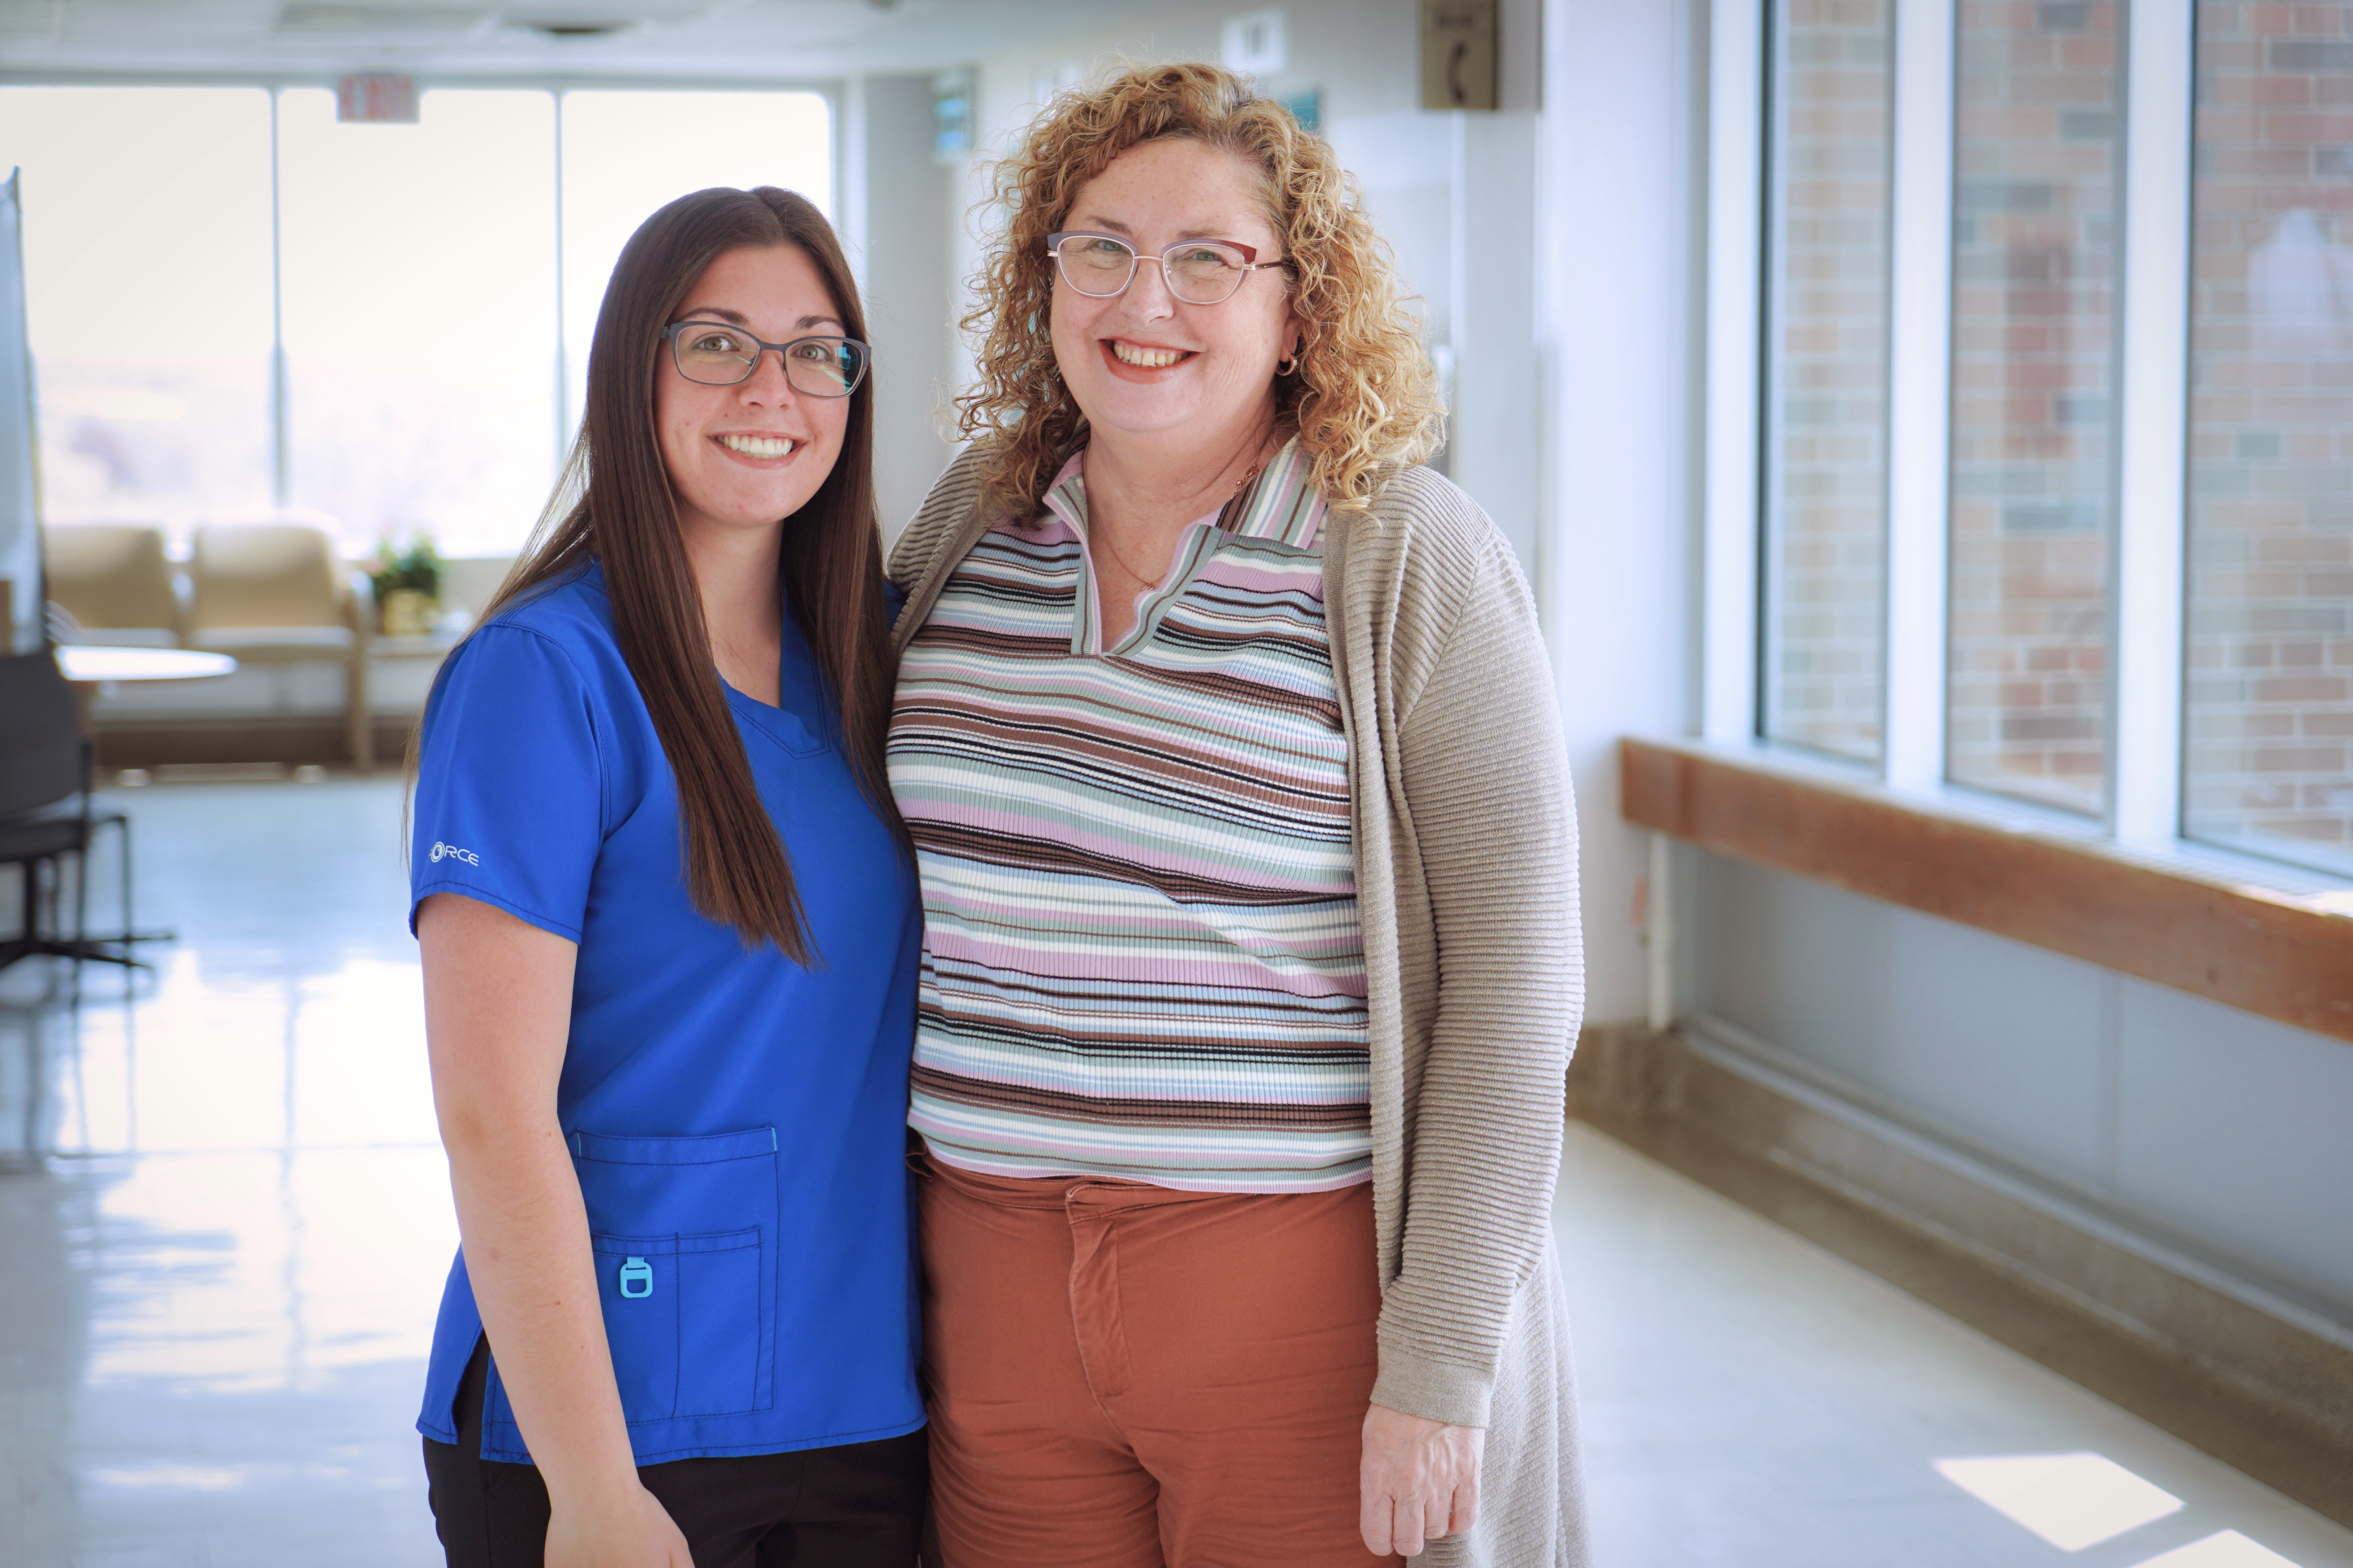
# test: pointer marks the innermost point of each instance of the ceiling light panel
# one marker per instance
(400, 19)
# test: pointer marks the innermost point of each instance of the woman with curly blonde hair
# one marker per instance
(1251, 964)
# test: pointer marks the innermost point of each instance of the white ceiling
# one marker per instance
(439, 39)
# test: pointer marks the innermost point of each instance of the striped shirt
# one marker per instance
(1141, 956)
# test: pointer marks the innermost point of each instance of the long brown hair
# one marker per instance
(615, 504)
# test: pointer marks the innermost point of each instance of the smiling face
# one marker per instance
(1146, 363)
(744, 456)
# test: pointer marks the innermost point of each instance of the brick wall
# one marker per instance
(2038, 158)
(2270, 714)
(1825, 366)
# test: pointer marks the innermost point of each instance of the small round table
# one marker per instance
(86, 668)
(86, 664)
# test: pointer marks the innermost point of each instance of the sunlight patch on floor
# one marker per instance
(2071, 1501)
(2227, 1550)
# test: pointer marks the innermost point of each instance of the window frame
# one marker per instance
(2147, 663)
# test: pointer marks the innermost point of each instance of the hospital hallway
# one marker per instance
(1860, 633)
(225, 1225)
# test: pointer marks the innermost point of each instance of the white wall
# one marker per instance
(2218, 1127)
(896, 227)
(1617, 145)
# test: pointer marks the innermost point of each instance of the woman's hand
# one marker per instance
(624, 1528)
(1420, 1481)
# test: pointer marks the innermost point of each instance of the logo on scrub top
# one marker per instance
(451, 852)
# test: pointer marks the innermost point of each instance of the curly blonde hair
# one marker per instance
(1361, 398)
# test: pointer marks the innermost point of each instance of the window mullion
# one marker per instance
(1735, 221)
(564, 415)
(1919, 389)
(2146, 788)
(280, 466)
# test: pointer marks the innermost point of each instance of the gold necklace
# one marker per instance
(1256, 469)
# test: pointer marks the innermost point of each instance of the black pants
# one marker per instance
(856, 1506)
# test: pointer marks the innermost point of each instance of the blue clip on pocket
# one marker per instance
(637, 1279)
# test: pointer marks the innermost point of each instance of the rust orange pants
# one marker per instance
(1127, 1377)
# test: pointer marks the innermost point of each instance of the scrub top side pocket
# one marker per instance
(683, 1231)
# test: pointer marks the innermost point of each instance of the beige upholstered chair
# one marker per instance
(114, 578)
(274, 592)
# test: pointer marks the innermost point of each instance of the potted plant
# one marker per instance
(407, 581)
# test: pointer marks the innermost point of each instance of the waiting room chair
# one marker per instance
(114, 578)
(274, 592)
(48, 814)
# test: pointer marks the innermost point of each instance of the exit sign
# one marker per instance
(377, 98)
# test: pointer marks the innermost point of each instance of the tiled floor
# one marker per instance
(1751, 1401)
(216, 1286)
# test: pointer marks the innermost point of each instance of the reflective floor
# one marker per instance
(216, 1294)
(227, 1227)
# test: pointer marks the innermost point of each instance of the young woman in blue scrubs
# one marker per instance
(671, 934)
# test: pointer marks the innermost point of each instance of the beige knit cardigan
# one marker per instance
(1466, 892)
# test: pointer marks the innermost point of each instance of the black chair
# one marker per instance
(49, 814)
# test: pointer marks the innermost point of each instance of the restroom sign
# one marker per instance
(375, 98)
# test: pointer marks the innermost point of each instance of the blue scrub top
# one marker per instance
(737, 1121)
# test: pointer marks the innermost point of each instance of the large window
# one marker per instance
(420, 315)
(427, 284)
(2054, 479)
(2270, 718)
(626, 154)
(1826, 373)
(2039, 162)
(147, 281)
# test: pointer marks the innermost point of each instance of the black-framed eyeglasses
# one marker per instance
(1198, 271)
(717, 354)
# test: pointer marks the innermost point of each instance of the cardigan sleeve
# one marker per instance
(1480, 761)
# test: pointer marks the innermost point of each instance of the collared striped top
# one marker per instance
(1141, 955)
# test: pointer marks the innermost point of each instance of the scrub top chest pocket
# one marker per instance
(683, 1231)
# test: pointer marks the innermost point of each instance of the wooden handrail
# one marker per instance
(2267, 950)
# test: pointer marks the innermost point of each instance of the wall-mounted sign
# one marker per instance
(1459, 55)
(377, 98)
(952, 112)
(1255, 42)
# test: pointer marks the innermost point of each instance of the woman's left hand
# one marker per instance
(1420, 1481)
